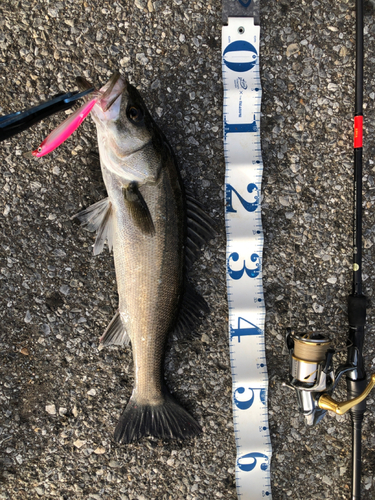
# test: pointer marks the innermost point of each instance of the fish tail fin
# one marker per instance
(167, 420)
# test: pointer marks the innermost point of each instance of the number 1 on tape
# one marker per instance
(244, 168)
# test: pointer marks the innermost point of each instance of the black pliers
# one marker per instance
(21, 120)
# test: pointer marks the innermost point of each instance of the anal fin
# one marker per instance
(115, 333)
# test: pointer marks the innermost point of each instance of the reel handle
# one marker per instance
(325, 401)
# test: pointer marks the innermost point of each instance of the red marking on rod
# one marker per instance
(358, 131)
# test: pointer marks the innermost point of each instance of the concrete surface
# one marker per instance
(61, 397)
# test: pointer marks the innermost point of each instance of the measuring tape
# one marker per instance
(244, 168)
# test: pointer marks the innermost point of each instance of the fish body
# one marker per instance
(145, 219)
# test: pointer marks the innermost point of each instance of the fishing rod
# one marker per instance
(311, 371)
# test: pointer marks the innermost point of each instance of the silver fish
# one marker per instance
(156, 231)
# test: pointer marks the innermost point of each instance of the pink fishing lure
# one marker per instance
(65, 129)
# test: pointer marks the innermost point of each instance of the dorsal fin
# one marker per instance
(200, 229)
(191, 311)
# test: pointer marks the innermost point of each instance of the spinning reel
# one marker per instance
(312, 375)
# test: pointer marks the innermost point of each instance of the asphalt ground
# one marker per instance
(60, 396)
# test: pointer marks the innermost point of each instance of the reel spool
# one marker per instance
(310, 353)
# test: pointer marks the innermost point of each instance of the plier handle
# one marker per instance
(15, 123)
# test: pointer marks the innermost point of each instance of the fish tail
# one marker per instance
(167, 420)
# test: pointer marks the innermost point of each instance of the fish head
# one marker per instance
(127, 133)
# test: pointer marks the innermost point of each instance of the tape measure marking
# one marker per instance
(243, 178)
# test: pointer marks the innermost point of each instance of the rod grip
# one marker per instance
(355, 388)
(357, 310)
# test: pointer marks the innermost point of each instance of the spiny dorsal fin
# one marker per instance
(115, 333)
(138, 208)
(199, 229)
(98, 217)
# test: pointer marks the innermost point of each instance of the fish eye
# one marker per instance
(39, 149)
(135, 114)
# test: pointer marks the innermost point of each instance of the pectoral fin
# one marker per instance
(138, 208)
(98, 218)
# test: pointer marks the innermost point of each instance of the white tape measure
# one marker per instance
(244, 168)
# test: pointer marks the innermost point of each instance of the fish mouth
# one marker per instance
(109, 86)
(108, 94)
(83, 85)
(112, 101)
(111, 91)
(104, 109)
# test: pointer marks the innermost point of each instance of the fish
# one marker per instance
(156, 230)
